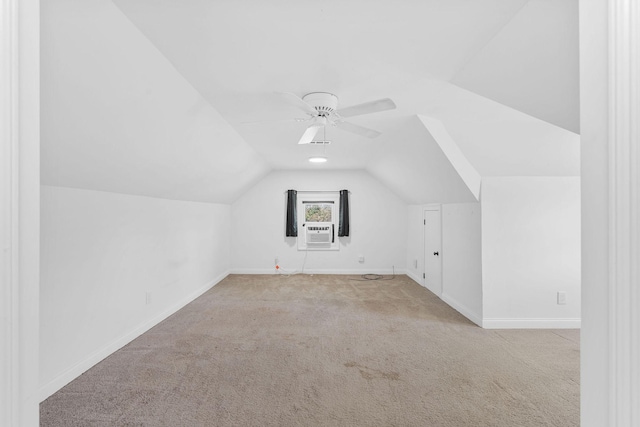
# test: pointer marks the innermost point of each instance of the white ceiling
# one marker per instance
(538, 56)
(153, 97)
(116, 116)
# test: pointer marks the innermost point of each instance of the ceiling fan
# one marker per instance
(321, 107)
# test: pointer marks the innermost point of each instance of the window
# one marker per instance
(317, 212)
(317, 221)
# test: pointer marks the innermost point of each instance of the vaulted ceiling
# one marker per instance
(178, 99)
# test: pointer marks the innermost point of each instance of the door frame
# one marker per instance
(19, 212)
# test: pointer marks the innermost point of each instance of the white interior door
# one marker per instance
(432, 251)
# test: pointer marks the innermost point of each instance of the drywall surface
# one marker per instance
(377, 226)
(462, 259)
(530, 251)
(545, 56)
(467, 172)
(118, 117)
(413, 165)
(595, 391)
(461, 255)
(415, 243)
(114, 265)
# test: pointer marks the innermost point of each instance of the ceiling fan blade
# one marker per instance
(298, 102)
(367, 108)
(360, 130)
(275, 121)
(309, 134)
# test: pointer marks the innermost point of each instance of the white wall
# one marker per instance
(415, 243)
(530, 251)
(101, 253)
(461, 255)
(462, 259)
(377, 226)
(594, 110)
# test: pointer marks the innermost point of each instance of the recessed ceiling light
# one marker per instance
(317, 159)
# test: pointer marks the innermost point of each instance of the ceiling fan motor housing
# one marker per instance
(324, 103)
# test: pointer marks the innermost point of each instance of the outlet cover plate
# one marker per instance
(562, 298)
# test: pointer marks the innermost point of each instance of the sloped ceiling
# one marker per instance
(537, 53)
(418, 170)
(501, 141)
(156, 97)
(116, 116)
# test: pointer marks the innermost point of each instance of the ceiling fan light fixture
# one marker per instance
(317, 159)
(321, 107)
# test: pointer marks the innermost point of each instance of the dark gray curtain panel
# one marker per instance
(292, 216)
(343, 216)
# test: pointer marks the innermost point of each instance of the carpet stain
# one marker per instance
(371, 374)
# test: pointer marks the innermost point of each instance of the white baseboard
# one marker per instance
(414, 276)
(388, 271)
(462, 309)
(79, 368)
(253, 271)
(542, 323)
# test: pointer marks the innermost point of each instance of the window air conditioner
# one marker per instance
(319, 235)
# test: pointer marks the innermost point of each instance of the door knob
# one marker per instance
(436, 253)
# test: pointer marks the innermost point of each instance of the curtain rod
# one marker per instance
(316, 191)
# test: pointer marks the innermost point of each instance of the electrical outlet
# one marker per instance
(148, 298)
(562, 298)
(360, 258)
(276, 260)
(415, 263)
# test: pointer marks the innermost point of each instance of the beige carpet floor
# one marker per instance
(326, 351)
